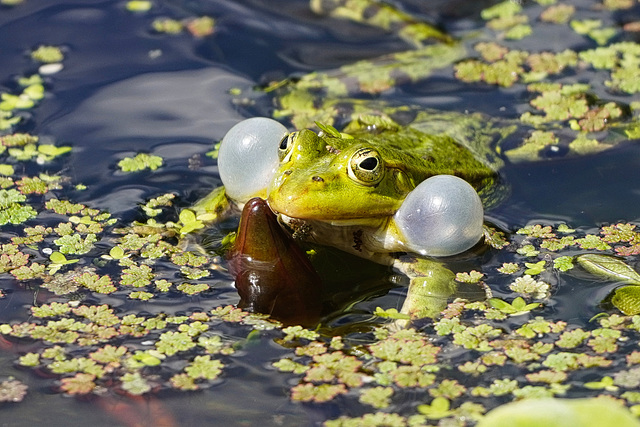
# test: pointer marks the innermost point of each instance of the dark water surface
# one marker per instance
(125, 89)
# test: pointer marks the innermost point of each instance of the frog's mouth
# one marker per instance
(350, 222)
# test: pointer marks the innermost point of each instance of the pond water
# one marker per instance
(125, 88)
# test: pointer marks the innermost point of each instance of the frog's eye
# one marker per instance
(365, 167)
(247, 158)
(286, 147)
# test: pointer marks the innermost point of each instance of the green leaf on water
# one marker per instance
(627, 300)
(518, 306)
(59, 258)
(609, 267)
(534, 268)
(189, 221)
(47, 54)
(140, 162)
(390, 313)
(440, 407)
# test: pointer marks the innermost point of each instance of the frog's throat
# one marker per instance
(371, 238)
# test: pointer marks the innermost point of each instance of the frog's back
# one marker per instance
(436, 143)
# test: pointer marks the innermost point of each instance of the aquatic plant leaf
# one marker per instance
(518, 32)
(378, 397)
(200, 27)
(558, 14)
(509, 268)
(172, 342)
(501, 10)
(12, 390)
(7, 121)
(6, 170)
(447, 326)
(135, 384)
(449, 389)
(167, 26)
(553, 412)
(329, 130)
(562, 361)
(390, 313)
(139, 5)
(203, 367)
(81, 383)
(192, 288)
(547, 376)
(609, 267)
(189, 221)
(591, 241)
(288, 365)
(572, 338)
(627, 299)
(527, 285)
(136, 276)
(528, 250)
(108, 354)
(470, 277)
(59, 258)
(76, 244)
(440, 407)
(29, 359)
(563, 263)
(140, 162)
(308, 392)
(534, 268)
(51, 310)
(47, 54)
(629, 378)
(141, 295)
(50, 151)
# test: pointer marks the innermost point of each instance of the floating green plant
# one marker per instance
(141, 161)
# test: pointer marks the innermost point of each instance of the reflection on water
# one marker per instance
(125, 90)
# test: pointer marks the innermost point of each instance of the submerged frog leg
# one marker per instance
(384, 16)
(430, 287)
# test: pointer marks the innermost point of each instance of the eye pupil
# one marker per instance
(369, 163)
(285, 147)
(366, 167)
(284, 142)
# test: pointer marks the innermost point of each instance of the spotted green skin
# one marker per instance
(313, 182)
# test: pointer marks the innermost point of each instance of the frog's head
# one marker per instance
(333, 179)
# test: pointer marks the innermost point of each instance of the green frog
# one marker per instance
(350, 189)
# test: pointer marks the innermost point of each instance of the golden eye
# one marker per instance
(365, 167)
(286, 146)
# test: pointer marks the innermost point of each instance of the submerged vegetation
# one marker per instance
(448, 371)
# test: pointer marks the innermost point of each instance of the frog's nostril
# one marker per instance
(317, 179)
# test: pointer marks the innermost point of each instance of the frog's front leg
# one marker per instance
(431, 284)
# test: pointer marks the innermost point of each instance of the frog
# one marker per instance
(348, 189)
(378, 147)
